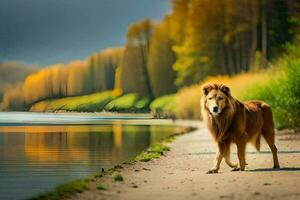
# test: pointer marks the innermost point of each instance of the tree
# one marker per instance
(161, 59)
(178, 20)
(13, 100)
(220, 37)
(77, 73)
(102, 69)
(135, 77)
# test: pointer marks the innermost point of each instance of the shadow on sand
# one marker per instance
(275, 169)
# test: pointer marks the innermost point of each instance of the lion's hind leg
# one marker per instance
(269, 135)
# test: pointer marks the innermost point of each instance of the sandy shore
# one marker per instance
(180, 173)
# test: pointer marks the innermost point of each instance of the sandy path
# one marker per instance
(180, 174)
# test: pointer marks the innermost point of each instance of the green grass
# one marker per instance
(282, 92)
(143, 104)
(131, 102)
(101, 187)
(164, 106)
(117, 177)
(87, 103)
(96, 102)
(155, 151)
(77, 186)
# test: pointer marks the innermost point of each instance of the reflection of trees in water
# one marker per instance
(100, 144)
(11, 146)
(158, 133)
(42, 146)
(135, 139)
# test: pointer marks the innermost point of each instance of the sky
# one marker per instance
(45, 32)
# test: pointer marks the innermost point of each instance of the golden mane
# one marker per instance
(218, 125)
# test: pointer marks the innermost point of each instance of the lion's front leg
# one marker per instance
(241, 148)
(217, 163)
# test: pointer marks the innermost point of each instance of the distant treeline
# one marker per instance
(12, 75)
(95, 74)
(197, 39)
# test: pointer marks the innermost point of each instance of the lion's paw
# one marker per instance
(212, 171)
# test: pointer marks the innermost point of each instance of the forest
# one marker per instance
(160, 61)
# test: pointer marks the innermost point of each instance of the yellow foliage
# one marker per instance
(56, 81)
(118, 81)
(13, 100)
(77, 73)
(187, 100)
(117, 92)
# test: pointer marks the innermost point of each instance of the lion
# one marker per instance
(231, 121)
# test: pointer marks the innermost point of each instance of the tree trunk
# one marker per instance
(264, 29)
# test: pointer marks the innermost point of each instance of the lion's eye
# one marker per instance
(210, 98)
(220, 98)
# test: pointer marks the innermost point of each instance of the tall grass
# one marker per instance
(282, 92)
(187, 100)
(279, 87)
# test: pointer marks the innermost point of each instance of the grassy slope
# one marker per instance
(87, 103)
(104, 101)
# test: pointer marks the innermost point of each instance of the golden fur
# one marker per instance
(231, 121)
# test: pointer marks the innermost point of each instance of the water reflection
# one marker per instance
(34, 159)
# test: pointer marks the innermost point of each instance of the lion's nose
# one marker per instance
(215, 109)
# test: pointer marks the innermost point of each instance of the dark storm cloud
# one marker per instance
(50, 31)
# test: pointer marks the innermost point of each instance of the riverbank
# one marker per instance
(71, 118)
(180, 173)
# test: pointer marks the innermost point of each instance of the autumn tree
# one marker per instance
(223, 37)
(13, 100)
(161, 59)
(38, 86)
(77, 73)
(135, 76)
(178, 20)
(102, 69)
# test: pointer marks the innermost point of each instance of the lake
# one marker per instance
(41, 151)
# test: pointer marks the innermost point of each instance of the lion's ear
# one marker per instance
(225, 89)
(206, 89)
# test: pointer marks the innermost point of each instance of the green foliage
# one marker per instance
(190, 66)
(117, 177)
(123, 103)
(142, 104)
(131, 102)
(77, 186)
(283, 94)
(95, 103)
(155, 151)
(87, 103)
(101, 187)
(163, 103)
